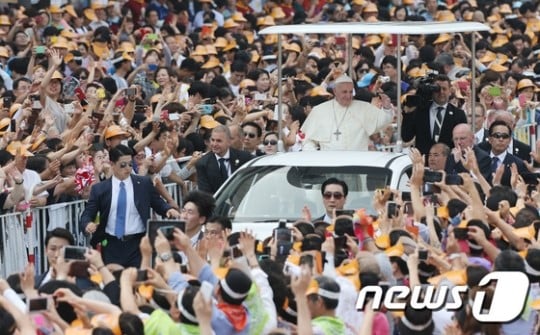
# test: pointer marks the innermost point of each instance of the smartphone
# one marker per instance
(340, 40)
(461, 233)
(211, 101)
(463, 85)
(453, 179)
(152, 227)
(74, 253)
(423, 255)
(344, 225)
(495, 91)
(236, 252)
(247, 100)
(432, 176)
(7, 102)
(152, 37)
(152, 67)
(260, 96)
(206, 290)
(408, 208)
(241, 101)
(142, 275)
(284, 239)
(40, 50)
(81, 96)
(340, 242)
(405, 196)
(207, 109)
(174, 117)
(430, 188)
(348, 212)
(38, 304)
(522, 100)
(392, 209)
(292, 270)
(69, 108)
(385, 79)
(131, 92)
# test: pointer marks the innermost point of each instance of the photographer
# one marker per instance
(435, 114)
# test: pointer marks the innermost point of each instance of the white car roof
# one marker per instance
(333, 158)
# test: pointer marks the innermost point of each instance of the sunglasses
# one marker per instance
(125, 164)
(336, 195)
(500, 135)
(250, 135)
(271, 142)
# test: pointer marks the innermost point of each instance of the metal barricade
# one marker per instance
(22, 241)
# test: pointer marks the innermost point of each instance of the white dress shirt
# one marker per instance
(134, 223)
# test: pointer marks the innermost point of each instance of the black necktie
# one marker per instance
(438, 121)
(223, 168)
(494, 164)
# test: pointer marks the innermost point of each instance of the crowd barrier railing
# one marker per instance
(23, 233)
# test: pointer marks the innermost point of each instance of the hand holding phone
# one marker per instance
(392, 209)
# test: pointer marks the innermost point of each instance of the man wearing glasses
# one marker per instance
(334, 193)
(123, 203)
(500, 135)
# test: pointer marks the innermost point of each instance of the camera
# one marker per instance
(425, 87)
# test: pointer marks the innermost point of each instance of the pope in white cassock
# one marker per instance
(343, 123)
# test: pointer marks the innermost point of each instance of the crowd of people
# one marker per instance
(108, 101)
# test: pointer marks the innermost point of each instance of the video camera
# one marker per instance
(425, 87)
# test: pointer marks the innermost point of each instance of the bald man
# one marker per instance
(463, 138)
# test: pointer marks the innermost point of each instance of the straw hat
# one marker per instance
(220, 42)
(126, 47)
(57, 75)
(525, 83)
(4, 125)
(70, 10)
(230, 46)
(53, 9)
(15, 146)
(319, 91)
(211, 49)
(373, 40)
(101, 49)
(238, 17)
(370, 8)
(90, 14)
(247, 83)
(200, 50)
(278, 13)
(208, 122)
(4, 52)
(4, 20)
(445, 16)
(229, 23)
(113, 131)
(443, 38)
(292, 47)
(211, 63)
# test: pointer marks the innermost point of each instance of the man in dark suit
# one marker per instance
(123, 203)
(463, 138)
(218, 164)
(334, 192)
(500, 135)
(432, 122)
(516, 147)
